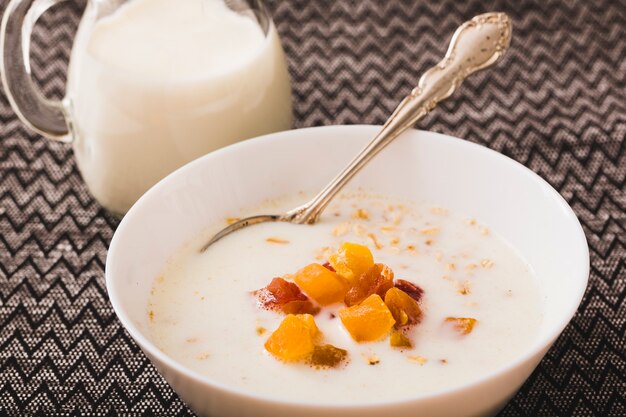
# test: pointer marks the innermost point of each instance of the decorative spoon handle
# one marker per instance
(476, 44)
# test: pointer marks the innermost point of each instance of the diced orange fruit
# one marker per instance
(328, 356)
(351, 260)
(321, 284)
(294, 339)
(404, 309)
(367, 321)
(463, 325)
(309, 321)
(376, 280)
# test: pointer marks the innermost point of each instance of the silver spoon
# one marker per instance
(476, 45)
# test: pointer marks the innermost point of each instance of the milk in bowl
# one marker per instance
(153, 84)
(480, 305)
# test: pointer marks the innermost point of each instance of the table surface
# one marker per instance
(556, 104)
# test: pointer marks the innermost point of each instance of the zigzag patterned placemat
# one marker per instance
(556, 104)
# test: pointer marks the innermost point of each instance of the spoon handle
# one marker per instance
(477, 44)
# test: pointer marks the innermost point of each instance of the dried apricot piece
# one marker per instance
(294, 339)
(411, 289)
(328, 356)
(463, 325)
(376, 280)
(368, 321)
(321, 284)
(310, 323)
(351, 260)
(399, 340)
(405, 310)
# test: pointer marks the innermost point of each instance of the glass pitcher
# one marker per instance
(151, 85)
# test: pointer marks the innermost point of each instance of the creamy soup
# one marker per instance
(159, 82)
(202, 312)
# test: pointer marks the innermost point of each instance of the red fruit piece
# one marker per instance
(284, 291)
(376, 280)
(284, 296)
(411, 289)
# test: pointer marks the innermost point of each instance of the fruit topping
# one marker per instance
(351, 260)
(399, 340)
(374, 305)
(285, 296)
(321, 284)
(328, 356)
(411, 289)
(294, 339)
(376, 280)
(368, 321)
(404, 309)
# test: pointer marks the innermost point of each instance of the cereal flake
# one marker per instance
(276, 240)
(420, 360)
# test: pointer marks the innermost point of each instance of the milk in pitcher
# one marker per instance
(158, 83)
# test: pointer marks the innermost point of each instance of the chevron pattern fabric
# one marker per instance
(557, 104)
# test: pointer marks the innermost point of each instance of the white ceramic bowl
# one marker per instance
(422, 166)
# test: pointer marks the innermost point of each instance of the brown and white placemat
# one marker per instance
(557, 104)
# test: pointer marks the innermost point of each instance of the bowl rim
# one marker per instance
(369, 130)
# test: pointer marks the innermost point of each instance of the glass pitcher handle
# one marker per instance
(37, 112)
